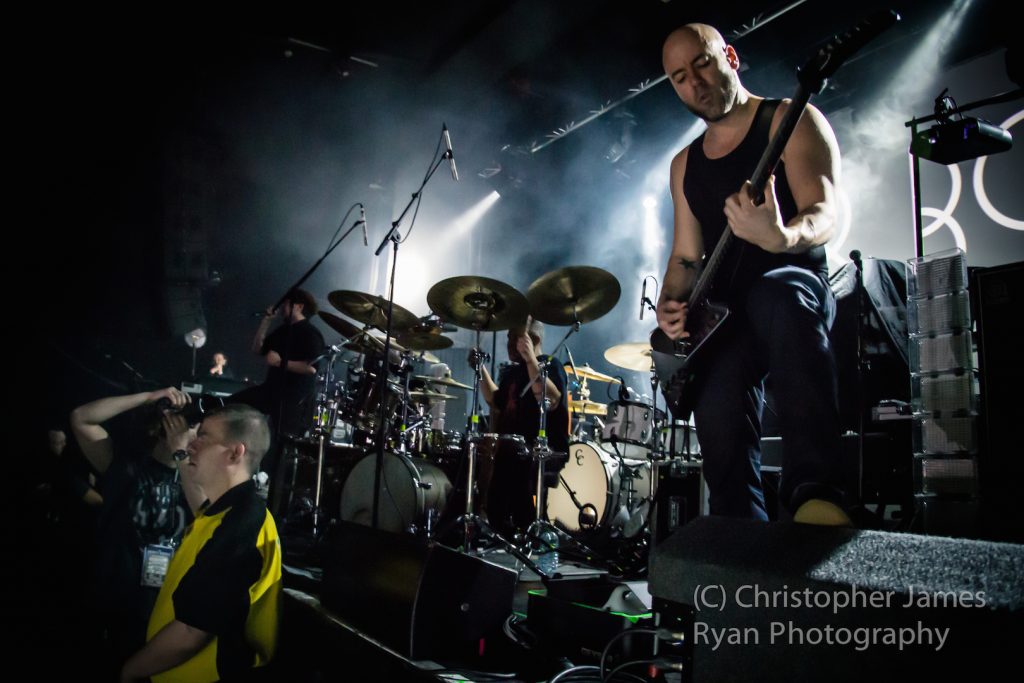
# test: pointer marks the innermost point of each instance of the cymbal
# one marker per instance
(364, 342)
(478, 303)
(425, 356)
(421, 396)
(586, 372)
(422, 341)
(588, 408)
(632, 356)
(339, 325)
(371, 310)
(573, 293)
(447, 381)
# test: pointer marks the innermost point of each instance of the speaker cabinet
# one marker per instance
(425, 601)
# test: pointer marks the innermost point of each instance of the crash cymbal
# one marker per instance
(422, 341)
(371, 310)
(573, 293)
(586, 372)
(339, 325)
(478, 303)
(588, 408)
(423, 396)
(632, 356)
(447, 381)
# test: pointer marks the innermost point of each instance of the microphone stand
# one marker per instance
(394, 237)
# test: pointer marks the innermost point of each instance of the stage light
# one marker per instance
(650, 203)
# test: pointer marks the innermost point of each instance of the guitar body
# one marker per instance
(674, 361)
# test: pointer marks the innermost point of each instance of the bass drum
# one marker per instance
(413, 493)
(595, 490)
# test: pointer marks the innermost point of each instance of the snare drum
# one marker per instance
(593, 491)
(629, 429)
(413, 493)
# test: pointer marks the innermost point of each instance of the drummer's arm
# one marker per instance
(487, 387)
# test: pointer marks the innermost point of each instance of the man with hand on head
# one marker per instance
(217, 613)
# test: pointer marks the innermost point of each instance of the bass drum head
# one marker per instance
(411, 490)
(587, 486)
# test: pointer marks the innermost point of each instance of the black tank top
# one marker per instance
(707, 183)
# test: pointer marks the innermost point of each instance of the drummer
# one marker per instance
(510, 500)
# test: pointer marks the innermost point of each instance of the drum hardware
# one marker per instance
(479, 304)
(568, 296)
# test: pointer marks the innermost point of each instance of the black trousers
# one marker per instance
(781, 327)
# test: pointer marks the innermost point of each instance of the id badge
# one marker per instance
(155, 559)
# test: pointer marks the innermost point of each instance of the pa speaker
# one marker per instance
(791, 602)
(425, 601)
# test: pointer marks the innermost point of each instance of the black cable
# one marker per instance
(419, 197)
(619, 636)
(344, 219)
(611, 675)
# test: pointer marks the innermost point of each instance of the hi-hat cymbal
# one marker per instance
(573, 293)
(478, 303)
(423, 341)
(339, 325)
(371, 310)
(423, 396)
(588, 408)
(587, 372)
(447, 381)
(632, 356)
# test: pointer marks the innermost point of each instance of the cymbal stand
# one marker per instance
(473, 526)
(325, 413)
(541, 453)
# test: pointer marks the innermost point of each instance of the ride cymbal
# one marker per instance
(478, 303)
(573, 293)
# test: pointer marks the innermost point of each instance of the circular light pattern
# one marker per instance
(956, 187)
(945, 219)
(979, 185)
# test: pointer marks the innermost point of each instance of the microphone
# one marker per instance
(643, 298)
(362, 219)
(448, 150)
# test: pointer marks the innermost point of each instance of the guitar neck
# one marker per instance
(758, 180)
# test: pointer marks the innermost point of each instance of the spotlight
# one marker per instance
(949, 141)
(650, 202)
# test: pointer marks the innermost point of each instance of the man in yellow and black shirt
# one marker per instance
(216, 617)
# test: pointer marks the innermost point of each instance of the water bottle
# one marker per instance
(547, 552)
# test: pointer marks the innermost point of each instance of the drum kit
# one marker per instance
(386, 404)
